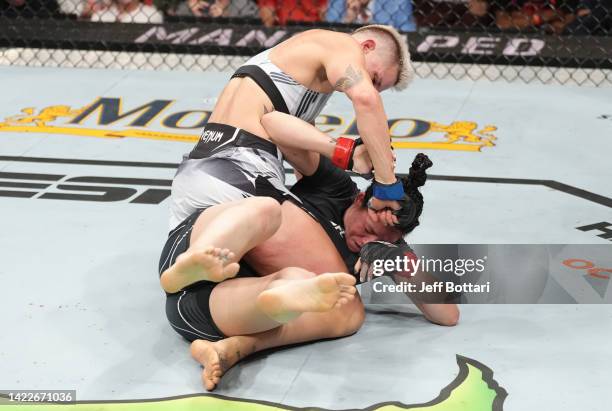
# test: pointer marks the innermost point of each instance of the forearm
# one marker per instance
(374, 131)
(292, 133)
(442, 314)
(348, 73)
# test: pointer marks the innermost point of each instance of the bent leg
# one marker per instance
(220, 236)
(252, 305)
(217, 357)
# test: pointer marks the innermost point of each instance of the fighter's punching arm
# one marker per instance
(301, 143)
(345, 69)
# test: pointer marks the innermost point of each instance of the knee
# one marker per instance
(266, 211)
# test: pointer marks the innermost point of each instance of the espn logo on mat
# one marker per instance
(89, 188)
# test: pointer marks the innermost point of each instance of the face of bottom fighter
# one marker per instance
(360, 228)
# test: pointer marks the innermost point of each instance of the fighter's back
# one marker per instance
(299, 60)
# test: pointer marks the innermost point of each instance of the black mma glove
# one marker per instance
(374, 255)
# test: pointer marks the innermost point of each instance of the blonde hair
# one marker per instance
(406, 71)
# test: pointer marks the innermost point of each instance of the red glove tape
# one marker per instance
(343, 152)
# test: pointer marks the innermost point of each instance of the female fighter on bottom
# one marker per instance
(291, 305)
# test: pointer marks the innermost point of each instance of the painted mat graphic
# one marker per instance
(474, 389)
(107, 113)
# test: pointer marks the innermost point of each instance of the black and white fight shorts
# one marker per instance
(188, 310)
(227, 164)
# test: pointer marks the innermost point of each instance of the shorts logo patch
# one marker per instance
(211, 136)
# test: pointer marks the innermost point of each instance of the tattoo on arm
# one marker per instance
(351, 77)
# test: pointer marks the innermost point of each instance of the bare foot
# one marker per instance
(210, 264)
(218, 357)
(321, 293)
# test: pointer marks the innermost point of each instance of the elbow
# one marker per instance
(449, 318)
(269, 122)
(366, 100)
(452, 319)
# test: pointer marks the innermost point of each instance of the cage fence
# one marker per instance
(546, 41)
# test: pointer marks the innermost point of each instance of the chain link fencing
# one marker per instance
(546, 41)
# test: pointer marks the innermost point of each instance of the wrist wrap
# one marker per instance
(393, 191)
(343, 153)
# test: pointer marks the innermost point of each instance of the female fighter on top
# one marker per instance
(297, 78)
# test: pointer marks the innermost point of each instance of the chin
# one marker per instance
(352, 246)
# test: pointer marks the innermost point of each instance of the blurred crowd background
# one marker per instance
(561, 17)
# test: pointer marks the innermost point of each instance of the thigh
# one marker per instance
(299, 242)
(180, 238)
(204, 183)
(211, 213)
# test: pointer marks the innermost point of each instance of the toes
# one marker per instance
(347, 294)
(210, 381)
(206, 382)
(227, 255)
(348, 297)
(341, 301)
(224, 255)
(212, 251)
(348, 289)
(231, 270)
(345, 279)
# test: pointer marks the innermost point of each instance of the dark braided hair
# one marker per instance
(412, 203)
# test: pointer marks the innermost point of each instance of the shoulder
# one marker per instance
(333, 42)
(343, 43)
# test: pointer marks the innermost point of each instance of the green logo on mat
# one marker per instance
(474, 389)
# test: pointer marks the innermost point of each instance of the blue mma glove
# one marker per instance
(393, 191)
